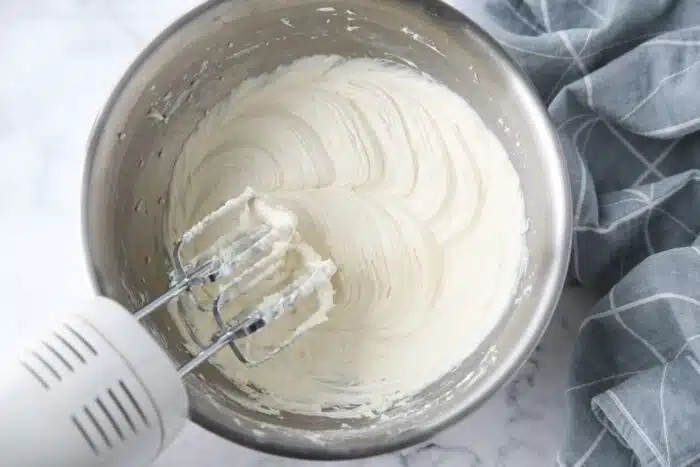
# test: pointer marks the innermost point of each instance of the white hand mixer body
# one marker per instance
(95, 389)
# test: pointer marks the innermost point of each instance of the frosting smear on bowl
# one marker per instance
(399, 181)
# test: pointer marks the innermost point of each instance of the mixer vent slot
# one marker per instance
(122, 410)
(84, 434)
(112, 421)
(134, 403)
(73, 350)
(95, 423)
(58, 356)
(83, 341)
(46, 365)
(36, 375)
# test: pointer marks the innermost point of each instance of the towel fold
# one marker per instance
(621, 79)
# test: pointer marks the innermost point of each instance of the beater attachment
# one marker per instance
(259, 241)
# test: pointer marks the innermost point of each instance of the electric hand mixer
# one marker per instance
(95, 389)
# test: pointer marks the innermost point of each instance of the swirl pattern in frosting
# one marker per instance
(400, 182)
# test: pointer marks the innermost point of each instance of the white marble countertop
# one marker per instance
(59, 61)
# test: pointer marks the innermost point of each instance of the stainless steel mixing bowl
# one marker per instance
(194, 64)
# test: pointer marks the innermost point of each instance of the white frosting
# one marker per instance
(396, 179)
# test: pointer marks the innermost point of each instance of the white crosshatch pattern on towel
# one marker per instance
(621, 80)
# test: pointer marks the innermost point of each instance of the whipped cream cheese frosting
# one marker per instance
(397, 180)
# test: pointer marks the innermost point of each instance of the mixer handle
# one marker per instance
(92, 389)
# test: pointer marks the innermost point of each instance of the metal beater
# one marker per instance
(241, 262)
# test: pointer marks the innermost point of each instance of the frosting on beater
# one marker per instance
(396, 179)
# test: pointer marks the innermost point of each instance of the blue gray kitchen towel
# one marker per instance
(621, 79)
